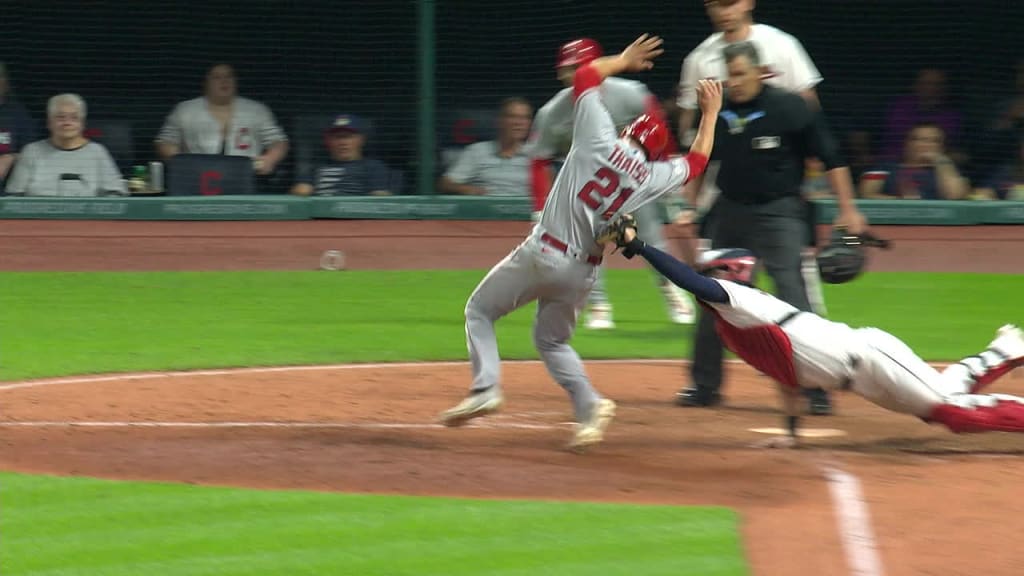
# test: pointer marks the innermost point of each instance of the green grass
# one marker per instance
(61, 526)
(73, 323)
(56, 324)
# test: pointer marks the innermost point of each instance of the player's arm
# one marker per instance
(592, 127)
(673, 175)
(637, 57)
(677, 272)
(791, 416)
(168, 141)
(457, 179)
(803, 73)
(686, 99)
(822, 145)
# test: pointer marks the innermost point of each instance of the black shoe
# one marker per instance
(818, 402)
(698, 397)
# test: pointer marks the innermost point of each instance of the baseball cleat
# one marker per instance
(1009, 342)
(698, 397)
(592, 431)
(475, 405)
(680, 305)
(600, 317)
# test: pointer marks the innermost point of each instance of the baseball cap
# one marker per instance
(347, 123)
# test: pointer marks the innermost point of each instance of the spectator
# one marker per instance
(927, 105)
(16, 126)
(68, 164)
(221, 122)
(495, 167)
(859, 154)
(924, 173)
(1008, 181)
(1007, 128)
(347, 173)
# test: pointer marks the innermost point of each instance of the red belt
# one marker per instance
(564, 248)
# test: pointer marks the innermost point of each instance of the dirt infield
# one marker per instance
(936, 503)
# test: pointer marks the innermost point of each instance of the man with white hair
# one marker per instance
(68, 163)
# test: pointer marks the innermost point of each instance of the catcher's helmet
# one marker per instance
(649, 132)
(578, 52)
(845, 258)
(736, 264)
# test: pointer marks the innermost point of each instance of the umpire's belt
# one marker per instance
(564, 249)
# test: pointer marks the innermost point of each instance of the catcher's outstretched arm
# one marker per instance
(679, 273)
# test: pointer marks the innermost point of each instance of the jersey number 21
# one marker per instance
(602, 187)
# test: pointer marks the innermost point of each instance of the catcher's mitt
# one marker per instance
(616, 232)
(845, 258)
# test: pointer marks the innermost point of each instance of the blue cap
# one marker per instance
(348, 123)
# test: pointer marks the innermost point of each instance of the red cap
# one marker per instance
(578, 52)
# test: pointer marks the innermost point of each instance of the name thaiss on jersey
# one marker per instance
(631, 166)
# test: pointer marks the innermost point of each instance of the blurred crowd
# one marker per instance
(922, 152)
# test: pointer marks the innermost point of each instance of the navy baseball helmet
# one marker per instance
(734, 264)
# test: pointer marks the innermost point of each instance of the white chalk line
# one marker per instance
(297, 425)
(854, 521)
(320, 367)
(274, 369)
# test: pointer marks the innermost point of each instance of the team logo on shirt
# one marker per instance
(738, 123)
(244, 139)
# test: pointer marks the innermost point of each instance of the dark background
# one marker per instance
(135, 60)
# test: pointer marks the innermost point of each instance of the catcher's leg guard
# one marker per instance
(1003, 354)
(1000, 416)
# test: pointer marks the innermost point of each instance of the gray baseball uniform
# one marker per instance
(556, 265)
(191, 126)
(552, 135)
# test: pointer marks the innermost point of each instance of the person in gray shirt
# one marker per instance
(495, 167)
(67, 164)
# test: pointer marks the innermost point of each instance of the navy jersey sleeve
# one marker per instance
(702, 287)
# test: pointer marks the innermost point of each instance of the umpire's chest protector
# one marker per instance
(760, 148)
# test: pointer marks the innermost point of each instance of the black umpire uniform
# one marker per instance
(761, 145)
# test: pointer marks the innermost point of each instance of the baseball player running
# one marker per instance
(550, 139)
(803, 350)
(604, 175)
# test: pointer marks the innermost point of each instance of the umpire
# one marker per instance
(762, 138)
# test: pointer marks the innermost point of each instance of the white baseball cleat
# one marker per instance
(600, 317)
(592, 431)
(1009, 341)
(475, 405)
(680, 305)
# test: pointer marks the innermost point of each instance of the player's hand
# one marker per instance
(852, 220)
(628, 234)
(709, 96)
(639, 55)
(785, 442)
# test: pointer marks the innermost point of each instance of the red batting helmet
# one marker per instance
(649, 132)
(736, 264)
(578, 52)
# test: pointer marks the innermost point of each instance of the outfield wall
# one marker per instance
(894, 212)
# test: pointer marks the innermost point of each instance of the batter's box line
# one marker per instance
(293, 425)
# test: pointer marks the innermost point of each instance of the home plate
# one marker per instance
(803, 432)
